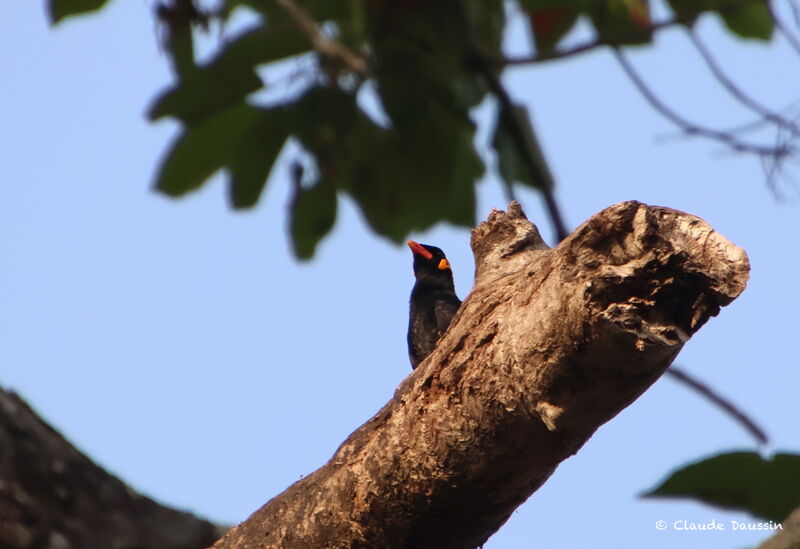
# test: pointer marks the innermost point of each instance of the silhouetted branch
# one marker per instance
(734, 90)
(772, 169)
(781, 26)
(690, 128)
(597, 42)
(542, 57)
(795, 12)
(724, 404)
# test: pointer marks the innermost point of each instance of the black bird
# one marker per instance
(433, 301)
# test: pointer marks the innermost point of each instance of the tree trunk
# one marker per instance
(54, 497)
(549, 345)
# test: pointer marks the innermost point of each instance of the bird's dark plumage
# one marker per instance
(433, 301)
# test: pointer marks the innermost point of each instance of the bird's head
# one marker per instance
(430, 262)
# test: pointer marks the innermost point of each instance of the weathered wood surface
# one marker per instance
(549, 345)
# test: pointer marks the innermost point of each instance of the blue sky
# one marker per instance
(180, 346)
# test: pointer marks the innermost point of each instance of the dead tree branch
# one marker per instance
(549, 345)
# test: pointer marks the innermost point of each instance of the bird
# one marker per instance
(433, 302)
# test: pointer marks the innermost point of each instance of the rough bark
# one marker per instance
(54, 497)
(789, 537)
(549, 345)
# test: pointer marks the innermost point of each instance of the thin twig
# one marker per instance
(727, 406)
(785, 113)
(322, 43)
(689, 127)
(734, 90)
(543, 57)
(746, 127)
(772, 168)
(795, 12)
(778, 22)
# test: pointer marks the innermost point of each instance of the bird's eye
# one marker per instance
(444, 264)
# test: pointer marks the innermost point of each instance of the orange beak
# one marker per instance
(419, 250)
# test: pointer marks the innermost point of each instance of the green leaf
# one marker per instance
(259, 145)
(622, 21)
(229, 6)
(245, 140)
(322, 116)
(745, 18)
(59, 9)
(403, 179)
(421, 57)
(203, 149)
(179, 45)
(230, 76)
(177, 20)
(510, 162)
(487, 20)
(749, 20)
(550, 25)
(411, 178)
(551, 4)
(423, 168)
(320, 10)
(313, 213)
(262, 44)
(767, 488)
(688, 10)
(205, 91)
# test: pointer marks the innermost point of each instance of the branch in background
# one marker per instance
(795, 12)
(509, 119)
(724, 404)
(776, 153)
(746, 127)
(771, 171)
(52, 495)
(322, 43)
(779, 24)
(734, 90)
(598, 42)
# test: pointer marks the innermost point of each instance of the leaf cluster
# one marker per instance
(768, 488)
(426, 66)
